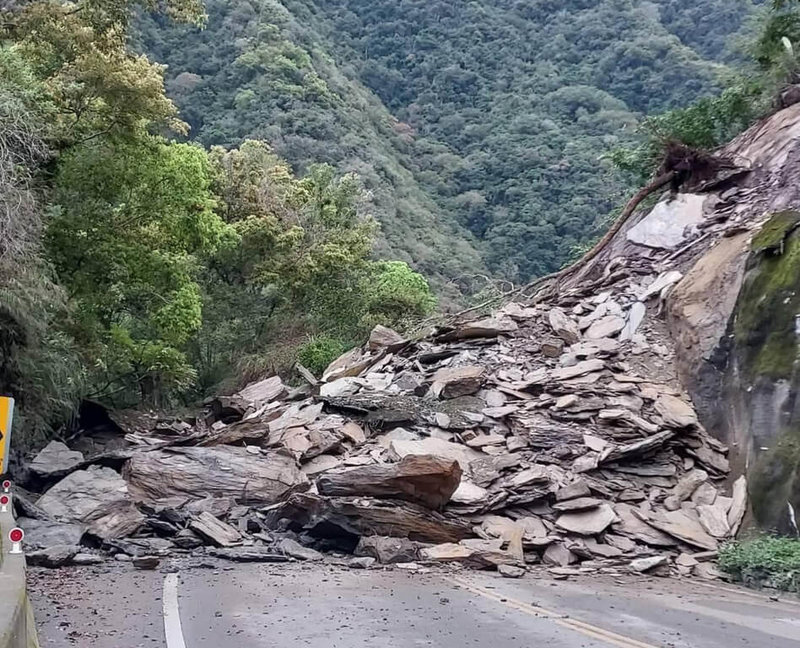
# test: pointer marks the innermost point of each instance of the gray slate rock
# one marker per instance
(646, 564)
(86, 559)
(55, 460)
(98, 497)
(388, 550)
(294, 549)
(55, 556)
(589, 522)
(510, 571)
(41, 534)
(218, 471)
(146, 563)
(249, 554)
(666, 224)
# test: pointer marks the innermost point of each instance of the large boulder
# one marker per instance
(221, 471)
(41, 534)
(423, 479)
(351, 517)
(96, 496)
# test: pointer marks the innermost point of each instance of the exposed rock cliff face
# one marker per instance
(733, 317)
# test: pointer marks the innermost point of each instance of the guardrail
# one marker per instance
(17, 627)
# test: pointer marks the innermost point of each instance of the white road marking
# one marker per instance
(172, 616)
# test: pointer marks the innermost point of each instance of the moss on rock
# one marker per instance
(774, 232)
(769, 302)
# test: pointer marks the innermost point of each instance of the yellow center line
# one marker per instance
(584, 628)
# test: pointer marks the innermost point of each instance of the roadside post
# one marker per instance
(16, 535)
(4, 500)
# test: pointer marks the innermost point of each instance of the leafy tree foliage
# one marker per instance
(750, 93)
(131, 219)
(136, 268)
(480, 128)
(301, 266)
(37, 361)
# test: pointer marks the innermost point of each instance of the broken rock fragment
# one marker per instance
(485, 328)
(579, 369)
(423, 479)
(55, 556)
(607, 326)
(646, 564)
(683, 527)
(215, 531)
(675, 411)
(263, 391)
(351, 517)
(453, 382)
(383, 337)
(55, 460)
(738, 505)
(714, 519)
(588, 522)
(96, 496)
(563, 326)
(481, 554)
(437, 447)
(388, 551)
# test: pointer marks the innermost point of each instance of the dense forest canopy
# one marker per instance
(289, 174)
(482, 122)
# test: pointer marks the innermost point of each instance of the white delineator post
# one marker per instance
(6, 486)
(15, 535)
(4, 500)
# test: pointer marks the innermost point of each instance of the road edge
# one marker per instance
(17, 625)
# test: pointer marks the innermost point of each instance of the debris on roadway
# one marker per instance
(537, 435)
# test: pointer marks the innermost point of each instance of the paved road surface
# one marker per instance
(288, 606)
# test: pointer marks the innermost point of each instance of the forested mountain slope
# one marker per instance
(479, 126)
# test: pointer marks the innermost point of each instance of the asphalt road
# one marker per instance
(287, 606)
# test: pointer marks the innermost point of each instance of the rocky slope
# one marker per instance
(612, 421)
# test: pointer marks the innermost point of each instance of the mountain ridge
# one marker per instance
(480, 129)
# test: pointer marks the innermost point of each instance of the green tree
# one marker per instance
(38, 362)
(130, 222)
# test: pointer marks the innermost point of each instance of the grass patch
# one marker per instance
(766, 561)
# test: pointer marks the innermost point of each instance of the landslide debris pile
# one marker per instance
(553, 432)
(541, 434)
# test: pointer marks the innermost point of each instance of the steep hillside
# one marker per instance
(480, 127)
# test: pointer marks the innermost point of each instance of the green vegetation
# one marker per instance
(772, 236)
(750, 92)
(764, 561)
(480, 128)
(319, 352)
(136, 268)
(768, 302)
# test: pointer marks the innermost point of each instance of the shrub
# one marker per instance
(766, 560)
(319, 352)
